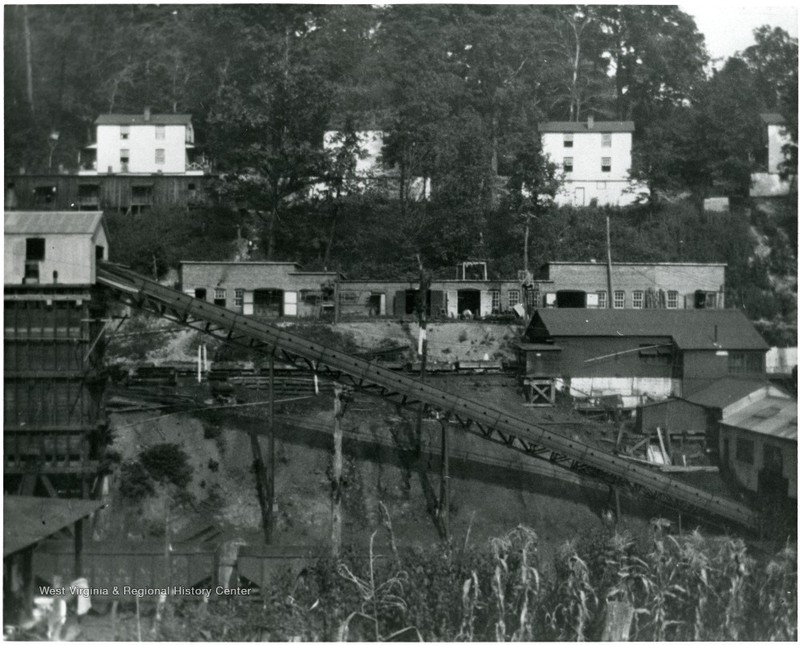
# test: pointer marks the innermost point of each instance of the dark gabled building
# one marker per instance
(655, 353)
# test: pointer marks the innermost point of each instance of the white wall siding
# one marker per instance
(142, 145)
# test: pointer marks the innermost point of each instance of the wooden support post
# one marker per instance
(336, 307)
(617, 505)
(444, 487)
(608, 263)
(336, 474)
(271, 474)
(261, 484)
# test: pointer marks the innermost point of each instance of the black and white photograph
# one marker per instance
(400, 322)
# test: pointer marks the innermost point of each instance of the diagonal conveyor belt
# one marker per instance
(487, 422)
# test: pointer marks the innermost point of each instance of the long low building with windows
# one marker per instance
(636, 285)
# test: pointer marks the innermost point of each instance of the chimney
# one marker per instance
(147, 113)
(590, 121)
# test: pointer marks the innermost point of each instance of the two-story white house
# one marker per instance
(595, 159)
(767, 182)
(142, 144)
(370, 169)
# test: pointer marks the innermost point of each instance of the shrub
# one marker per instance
(135, 482)
(167, 462)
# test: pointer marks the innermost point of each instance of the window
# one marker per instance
(160, 132)
(159, 156)
(124, 132)
(711, 300)
(99, 252)
(513, 298)
(567, 164)
(568, 140)
(672, 299)
(124, 158)
(219, 297)
(34, 254)
(605, 164)
(44, 195)
(601, 300)
(605, 139)
(34, 248)
(200, 293)
(238, 297)
(619, 300)
(745, 363)
(495, 294)
(744, 450)
(638, 299)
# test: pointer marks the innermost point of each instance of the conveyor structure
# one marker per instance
(482, 420)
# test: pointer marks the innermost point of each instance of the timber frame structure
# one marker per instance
(54, 426)
(484, 421)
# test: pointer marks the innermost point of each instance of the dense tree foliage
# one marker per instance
(458, 91)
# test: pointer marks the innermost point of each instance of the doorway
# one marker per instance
(268, 302)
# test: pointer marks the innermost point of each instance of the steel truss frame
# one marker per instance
(483, 421)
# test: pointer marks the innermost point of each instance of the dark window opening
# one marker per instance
(571, 299)
(99, 252)
(44, 195)
(469, 300)
(568, 164)
(200, 293)
(55, 277)
(220, 302)
(268, 302)
(34, 248)
(192, 187)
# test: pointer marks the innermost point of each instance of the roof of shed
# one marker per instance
(725, 391)
(61, 222)
(771, 416)
(583, 126)
(27, 520)
(692, 329)
(138, 119)
(772, 118)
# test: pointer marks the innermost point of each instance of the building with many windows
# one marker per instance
(595, 159)
(636, 285)
(142, 144)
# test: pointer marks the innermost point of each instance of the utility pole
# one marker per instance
(271, 474)
(336, 474)
(423, 337)
(444, 484)
(608, 264)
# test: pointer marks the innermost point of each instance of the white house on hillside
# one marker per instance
(142, 144)
(595, 158)
(767, 182)
(369, 165)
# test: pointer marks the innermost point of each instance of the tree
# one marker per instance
(532, 185)
(268, 125)
(773, 63)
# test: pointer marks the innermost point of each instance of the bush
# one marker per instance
(167, 462)
(135, 483)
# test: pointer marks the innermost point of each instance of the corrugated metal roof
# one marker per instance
(773, 118)
(725, 391)
(692, 329)
(44, 222)
(583, 126)
(138, 119)
(27, 520)
(770, 416)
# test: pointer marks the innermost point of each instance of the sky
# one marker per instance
(728, 28)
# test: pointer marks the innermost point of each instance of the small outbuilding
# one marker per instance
(53, 247)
